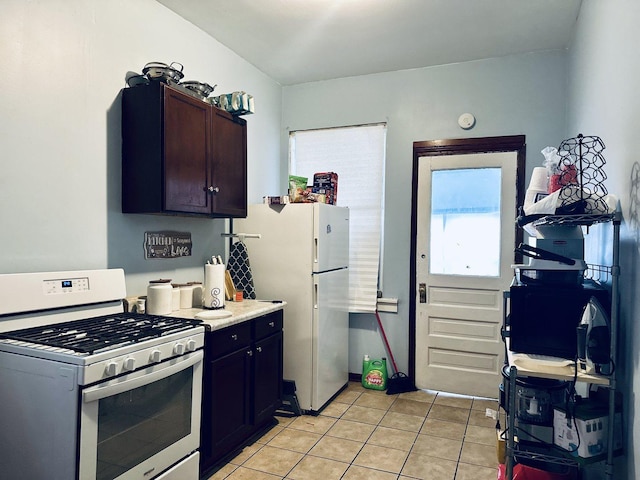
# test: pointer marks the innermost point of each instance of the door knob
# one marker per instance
(422, 290)
(213, 189)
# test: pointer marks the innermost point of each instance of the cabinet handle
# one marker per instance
(250, 353)
(272, 324)
(259, 349)
(234, 337)
(213, 189)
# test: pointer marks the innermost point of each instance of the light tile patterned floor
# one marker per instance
(368, 435)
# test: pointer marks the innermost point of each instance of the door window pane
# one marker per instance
(465, 222)
(137, 424)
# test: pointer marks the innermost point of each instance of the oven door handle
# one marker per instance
(123, 384)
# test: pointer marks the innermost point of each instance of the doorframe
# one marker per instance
(512, 143)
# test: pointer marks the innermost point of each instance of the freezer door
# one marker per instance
(331, 237)
(285, 249)
(330, 337)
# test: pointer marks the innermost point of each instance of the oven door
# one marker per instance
(138, 425)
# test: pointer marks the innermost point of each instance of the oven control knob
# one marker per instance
(155, 356)
(191, 346)
(178, 349)
(129, 364)
(111, 369)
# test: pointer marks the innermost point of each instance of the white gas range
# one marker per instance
(90, 391)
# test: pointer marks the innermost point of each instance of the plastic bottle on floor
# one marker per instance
(374, 373)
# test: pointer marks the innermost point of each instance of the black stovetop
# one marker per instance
(97, 334)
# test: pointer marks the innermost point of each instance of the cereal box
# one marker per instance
(326, 183)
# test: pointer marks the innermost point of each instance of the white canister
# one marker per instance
(175, 298)
(141, 304)
(159, 297)
(186, 296)
(197, 294)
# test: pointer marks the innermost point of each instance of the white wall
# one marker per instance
(64, 64)
(604, 101)
(522, 94)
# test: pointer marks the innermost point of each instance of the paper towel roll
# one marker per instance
(213, 289)
(539, 180)
(159, 298)
(537, 187)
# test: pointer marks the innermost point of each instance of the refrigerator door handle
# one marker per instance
(315, 295)
(315, 250)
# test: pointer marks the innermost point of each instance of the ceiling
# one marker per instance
(299, 41)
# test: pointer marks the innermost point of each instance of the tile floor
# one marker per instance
(368, 435)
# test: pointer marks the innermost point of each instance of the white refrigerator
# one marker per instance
(302, 258)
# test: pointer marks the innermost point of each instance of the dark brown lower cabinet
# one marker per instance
(242, 385)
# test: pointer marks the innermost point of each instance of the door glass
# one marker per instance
(465, 222)
(137, 424)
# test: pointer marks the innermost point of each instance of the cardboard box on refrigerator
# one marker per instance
(326, 183)
(273, 200)
(585, 434)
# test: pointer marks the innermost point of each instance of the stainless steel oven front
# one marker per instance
(136, 425)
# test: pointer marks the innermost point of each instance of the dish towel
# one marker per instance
(240, 270)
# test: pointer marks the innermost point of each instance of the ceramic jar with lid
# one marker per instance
(186, 296)
(159, 297)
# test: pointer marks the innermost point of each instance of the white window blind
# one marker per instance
(357, 155)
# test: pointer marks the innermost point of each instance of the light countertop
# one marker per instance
(240, 312)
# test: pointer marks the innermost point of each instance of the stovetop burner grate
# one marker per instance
(97, 334)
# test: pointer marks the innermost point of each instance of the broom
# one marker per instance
(398, 382)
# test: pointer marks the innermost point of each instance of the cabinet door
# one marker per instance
(187, 149)
(267, 378)
(142, 149)
(228, 379)
(229, 165)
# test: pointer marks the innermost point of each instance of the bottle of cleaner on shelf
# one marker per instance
(374, 373)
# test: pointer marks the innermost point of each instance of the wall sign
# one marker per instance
(167, 244)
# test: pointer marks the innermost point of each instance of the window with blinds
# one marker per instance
(357, 155)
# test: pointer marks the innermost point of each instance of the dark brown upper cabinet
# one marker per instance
(181, 155)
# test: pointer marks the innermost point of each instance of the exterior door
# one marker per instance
(463, 248)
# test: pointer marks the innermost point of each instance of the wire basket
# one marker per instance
(582, 175)
(600, 274)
